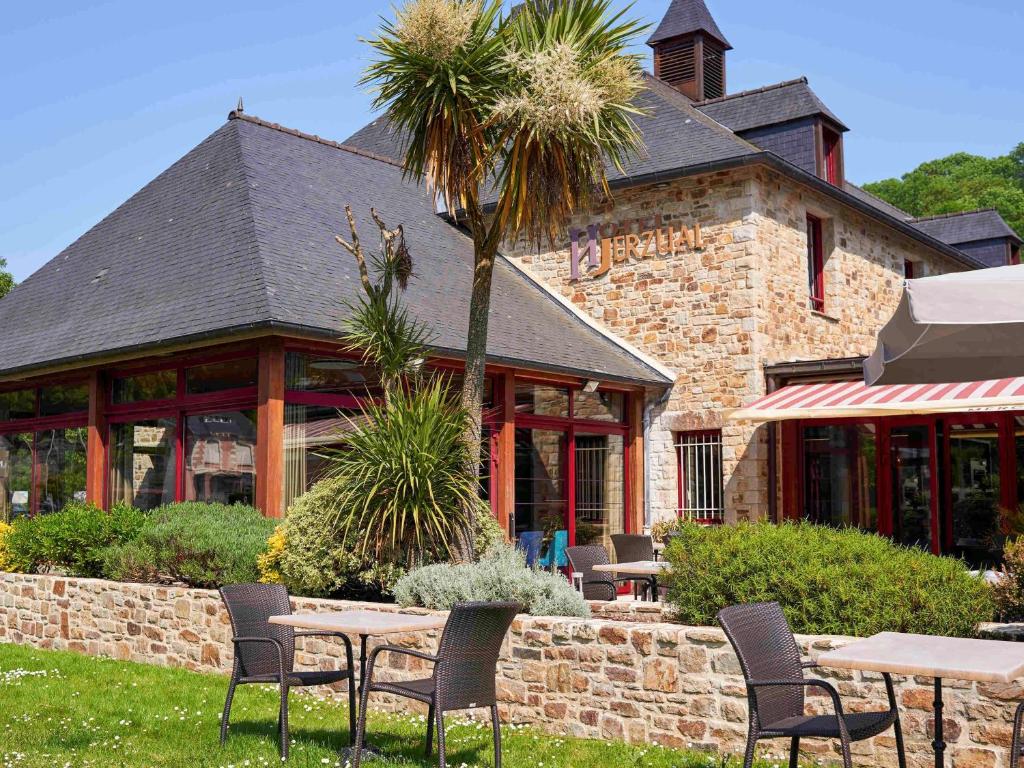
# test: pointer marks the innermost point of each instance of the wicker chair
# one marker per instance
(265, 652)
(597, 585)
(773, 671)
(634, 548)
(1017, 745)
(463, 676)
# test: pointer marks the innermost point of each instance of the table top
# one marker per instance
(645, 567)
(362, 622)
(956, 658)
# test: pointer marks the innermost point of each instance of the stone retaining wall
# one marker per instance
(641, 681)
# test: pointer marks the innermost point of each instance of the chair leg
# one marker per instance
(1015, 744)
(282, 720)
(496, 726)
(901, 754)
(442, 761)
(227, 711)
(844, 744)
(430, 730)
(794, 752)
(748, 756)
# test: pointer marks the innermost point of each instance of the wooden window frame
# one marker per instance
(815, 263)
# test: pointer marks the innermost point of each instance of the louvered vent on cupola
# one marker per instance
(676, 64)
(714, 71)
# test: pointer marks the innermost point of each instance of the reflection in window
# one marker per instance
(56, 400)
(310, 432)
(974, 469)
(599, 406)
(910, 456)
(19, 404)
(61, 458)
(540, 490)
(840, 469)
(213, 472)
(142, 463)
(542, 400)
(329, 375)
(15, 475)
(158, 385)
(215, 377)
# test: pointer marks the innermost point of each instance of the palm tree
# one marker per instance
(510, 119)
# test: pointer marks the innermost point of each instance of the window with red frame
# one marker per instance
(832, 154)
(1015, 254)
(815, 263)
(699, 455)
(909, 269)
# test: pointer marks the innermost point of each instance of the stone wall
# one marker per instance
(640, 680)
(718, 315)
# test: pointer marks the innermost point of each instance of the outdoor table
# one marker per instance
(650, 568)
(992, 661)
(365, 624)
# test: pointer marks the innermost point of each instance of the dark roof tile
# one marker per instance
(771, 105)
(685, 17)
(967, 227)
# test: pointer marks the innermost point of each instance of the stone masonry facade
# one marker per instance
(717, 316)
(626, 673)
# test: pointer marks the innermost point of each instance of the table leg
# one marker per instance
(654, 589)
(938, 744)
(369, 752)
(362, 661)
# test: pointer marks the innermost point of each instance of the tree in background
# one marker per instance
(6, 279)
(961, 182)
(520, 112)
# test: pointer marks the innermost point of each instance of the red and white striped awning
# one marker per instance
(854, 398)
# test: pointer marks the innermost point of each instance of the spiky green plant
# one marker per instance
(525, 108)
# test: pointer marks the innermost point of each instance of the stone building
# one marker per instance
(191, 334)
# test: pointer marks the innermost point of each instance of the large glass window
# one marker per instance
(700, 475)
(15, 475)
(220, 457)
(599, 406)
(142, 463)
(19, 404)
(61, 459)
(541, 499)
(974, 479)
(157, 385)
(910, 456)
(61, 399)
(542, 400)
(216, 377)
(310, 433)
(329, 375)
(840, 468)
(600, 488)
(1018, 425)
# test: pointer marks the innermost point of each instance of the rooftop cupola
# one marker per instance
(689, 50)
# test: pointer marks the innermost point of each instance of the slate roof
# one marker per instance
(684, 17)
(238, 235)
(967, 227)
(770, 105)
(873, 200)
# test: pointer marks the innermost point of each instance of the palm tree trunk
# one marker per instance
(476, 360)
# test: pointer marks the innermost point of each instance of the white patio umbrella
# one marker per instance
(967, 326)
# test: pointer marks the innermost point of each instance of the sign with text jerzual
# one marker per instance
(602, 245)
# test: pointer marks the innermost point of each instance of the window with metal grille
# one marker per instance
(591, 456)
(714, 71)
(700, 476)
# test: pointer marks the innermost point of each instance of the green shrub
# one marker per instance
(318, 561)
(73, 539)
(133, 560)
(501, 574)
(827, 581)
(206, 545)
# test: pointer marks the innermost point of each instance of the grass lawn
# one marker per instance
(63, 709)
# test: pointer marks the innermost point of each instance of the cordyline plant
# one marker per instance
(511, 120)
(404, 492)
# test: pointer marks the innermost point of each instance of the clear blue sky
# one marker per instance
(96, 98)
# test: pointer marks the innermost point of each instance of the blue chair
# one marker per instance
(556, 552)
(529, 543)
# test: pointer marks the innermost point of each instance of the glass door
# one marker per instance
(911, 461)
(600, 487)
(973, 494)
(541, 501)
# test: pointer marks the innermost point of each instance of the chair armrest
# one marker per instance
(372, 660)
(325, 633)
(273, 641)
(809, 683)
(808, 664)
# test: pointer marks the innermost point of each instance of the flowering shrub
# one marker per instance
(6, 563)
(269, 562)
(1009, 590)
